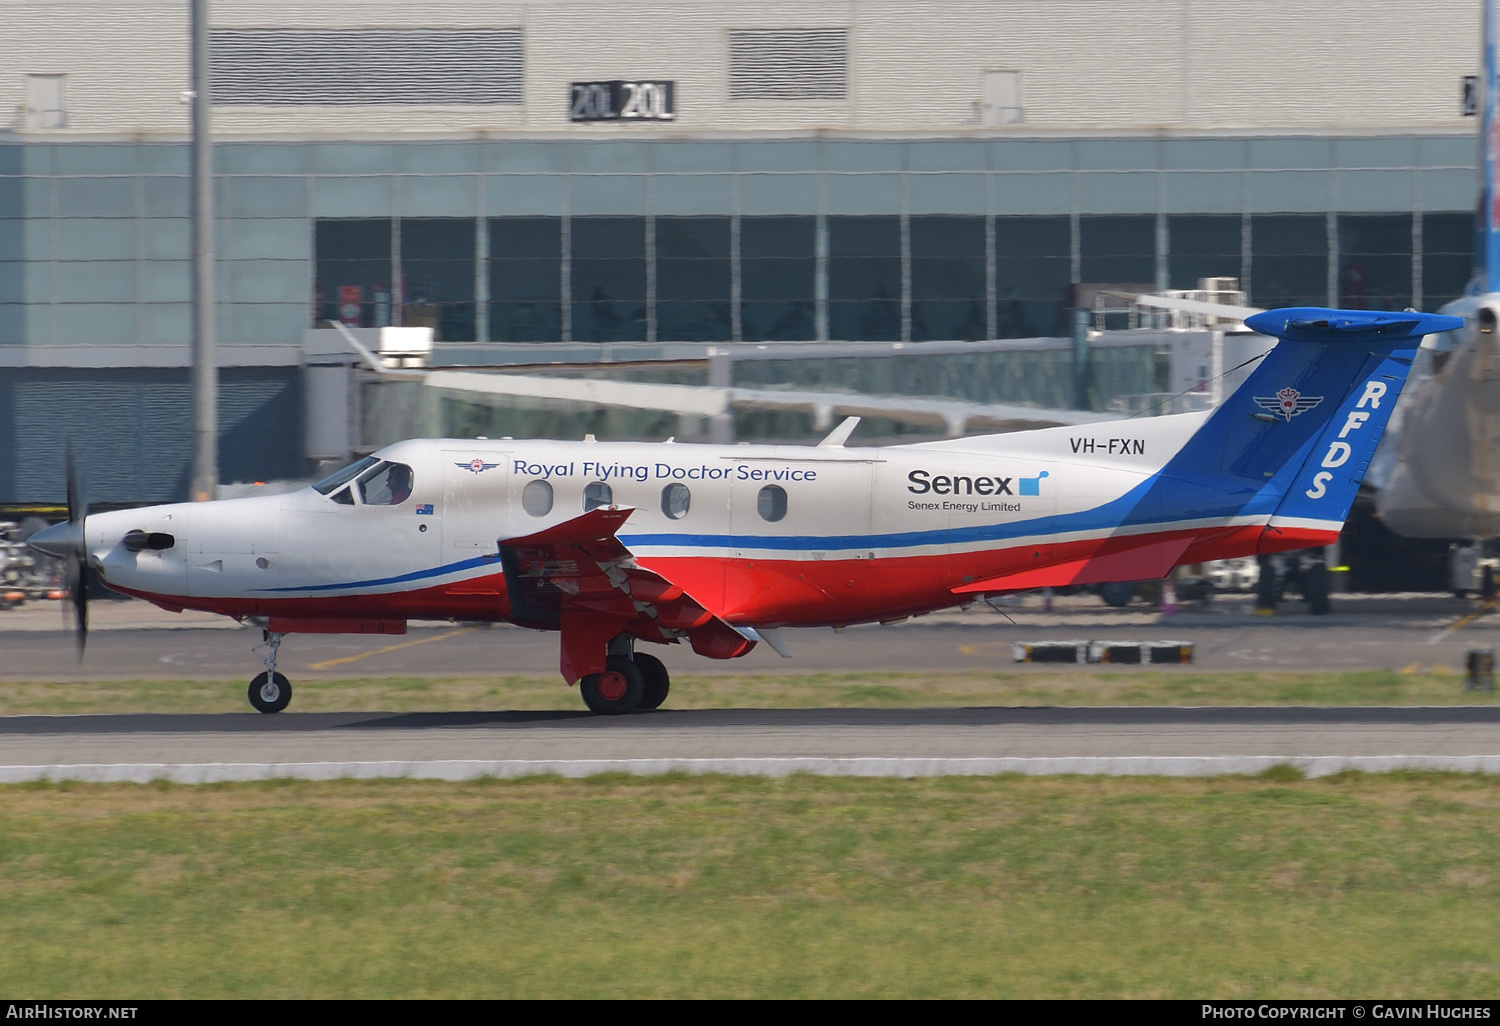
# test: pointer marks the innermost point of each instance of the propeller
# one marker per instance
(77, 575)
(66, 542)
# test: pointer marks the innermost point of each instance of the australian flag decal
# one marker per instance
(424, 509)
(1288, 402)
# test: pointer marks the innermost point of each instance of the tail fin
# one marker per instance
(1293, 442)
(1487, 217)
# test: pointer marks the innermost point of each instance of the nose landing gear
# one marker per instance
(270, 692)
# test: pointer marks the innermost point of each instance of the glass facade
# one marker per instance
(1289, 260)
(1118, 250)
(1202, 247)
(716, 240)
(693, 272)
(437, 271)
(1033, 276)
(608, 275)
(1375, 271)
(525, 279)
(1447, 256)
(355, 268)
(778, 276)
(864, 278)
(948, 294)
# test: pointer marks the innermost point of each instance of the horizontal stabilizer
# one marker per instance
(1148, 562)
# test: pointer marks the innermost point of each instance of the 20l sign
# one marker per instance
(621, 101)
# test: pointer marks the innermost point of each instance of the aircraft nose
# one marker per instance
(59, 539)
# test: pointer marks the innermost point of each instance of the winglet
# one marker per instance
(839, 435)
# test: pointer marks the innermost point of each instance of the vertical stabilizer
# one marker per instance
(1487, 217)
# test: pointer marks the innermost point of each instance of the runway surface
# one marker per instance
(896, 742)
(133, 641)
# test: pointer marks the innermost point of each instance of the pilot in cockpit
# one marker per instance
(399, 483)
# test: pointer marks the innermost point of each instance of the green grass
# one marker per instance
(710, 886)
(1078, 686)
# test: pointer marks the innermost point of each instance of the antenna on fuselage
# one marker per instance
(839, 435)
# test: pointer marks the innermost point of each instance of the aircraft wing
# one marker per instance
(579, 578)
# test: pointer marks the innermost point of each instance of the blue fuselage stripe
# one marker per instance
(1214, 504)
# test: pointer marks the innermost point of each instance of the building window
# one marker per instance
(770, 503)
(778, 268)
(788, 64)
(1118, 251)
(692, 279)
(1033, 272)
(864, 278)
(1289, 260)
(333, 67)
(597, 494)
(354, 271)
(437, 266)
(536, 498)
(609, 279)
(525, 279)
(1202, 246)
(1374, 261)
(46, 102)
(675, 500)
(1447, 257)
(947, 278)
(1001, 104)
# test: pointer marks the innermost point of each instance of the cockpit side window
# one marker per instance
(338, 477)
(344, 497)
(385, 484)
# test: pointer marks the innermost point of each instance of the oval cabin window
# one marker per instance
(675, 500)
(771, 503)
(536, 498)
(596, 495)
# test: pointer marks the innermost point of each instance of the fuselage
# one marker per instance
(1444, 481)
(760, 535)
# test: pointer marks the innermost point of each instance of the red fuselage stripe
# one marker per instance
(771, 592)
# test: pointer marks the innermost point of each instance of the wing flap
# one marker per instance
(577, 577)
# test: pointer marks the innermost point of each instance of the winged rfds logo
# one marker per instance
(476, 465)
(1288, 402)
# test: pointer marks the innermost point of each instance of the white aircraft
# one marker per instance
(613, 544)
(1443, 480)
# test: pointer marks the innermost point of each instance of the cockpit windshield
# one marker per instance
(385, 484)
(339, 477)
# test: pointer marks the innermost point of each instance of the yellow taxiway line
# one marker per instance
(328, 664)
(1459, 624)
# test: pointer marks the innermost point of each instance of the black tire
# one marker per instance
(1117, 593)
(270, 695)
(616, 691)
(658, 682)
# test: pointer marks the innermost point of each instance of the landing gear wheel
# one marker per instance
(658, 683)
(616, 691)
(270, 692)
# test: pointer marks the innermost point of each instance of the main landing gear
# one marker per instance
(270, 692)
(631, 681)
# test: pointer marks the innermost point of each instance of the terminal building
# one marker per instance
(683, 171)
